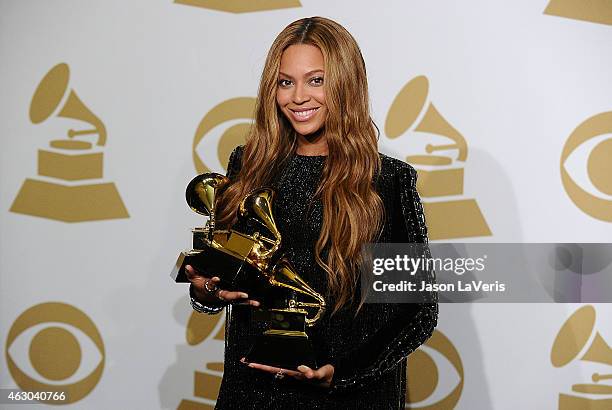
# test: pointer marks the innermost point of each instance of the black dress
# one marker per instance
(369, 351)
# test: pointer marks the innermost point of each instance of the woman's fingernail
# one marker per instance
(303, 368)
(244, 295)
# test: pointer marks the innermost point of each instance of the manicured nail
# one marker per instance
(303, 368)
(244, 295)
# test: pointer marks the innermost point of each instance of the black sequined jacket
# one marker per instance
(368, 351)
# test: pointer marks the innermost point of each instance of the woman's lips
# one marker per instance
(304, 115)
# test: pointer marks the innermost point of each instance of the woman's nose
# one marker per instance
(300, 95)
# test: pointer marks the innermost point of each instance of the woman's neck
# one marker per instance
(312, 145)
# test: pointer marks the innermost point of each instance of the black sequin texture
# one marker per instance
(368, 351)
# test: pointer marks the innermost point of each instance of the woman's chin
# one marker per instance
(308, 132)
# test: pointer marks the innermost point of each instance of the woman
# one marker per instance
(313, 140)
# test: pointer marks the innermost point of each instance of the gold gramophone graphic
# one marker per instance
(66, 193)
(205, 330)
(440, 176)
(578, 340)
(594, 11)
(254, 262)
(241, 6)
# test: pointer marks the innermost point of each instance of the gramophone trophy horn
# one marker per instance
(257, 206)
(201, 195)
(202, 192)
(252, 261)
(284, 276)
(216, 252)
(286, 334)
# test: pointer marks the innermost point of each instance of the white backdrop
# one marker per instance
(512, 81)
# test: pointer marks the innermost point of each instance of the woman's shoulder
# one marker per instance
(236, 155)
(390, 166)
(235, 161)
(394, 167)
(237, 152)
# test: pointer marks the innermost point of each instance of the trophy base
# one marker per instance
(178, 271)
(284, 351)
(235, 274)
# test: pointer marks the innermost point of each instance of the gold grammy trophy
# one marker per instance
(440, 176)
(66, 191)
(253, 262)
(571, 343)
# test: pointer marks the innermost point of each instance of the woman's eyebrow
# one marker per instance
(305, 75)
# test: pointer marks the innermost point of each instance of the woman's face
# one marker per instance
(300, 93)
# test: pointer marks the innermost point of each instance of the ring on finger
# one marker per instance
(209, 289)
(279, 375)
(218, 295)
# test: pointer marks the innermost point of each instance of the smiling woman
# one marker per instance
(314, 142)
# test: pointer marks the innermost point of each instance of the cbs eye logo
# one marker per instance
(55, 347)
(225, 126)
(209, 331)
(590, 187)
(435, 375)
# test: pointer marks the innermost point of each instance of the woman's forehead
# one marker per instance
(301, 59)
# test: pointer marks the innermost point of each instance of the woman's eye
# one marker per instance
(284, 83)
(317, 81)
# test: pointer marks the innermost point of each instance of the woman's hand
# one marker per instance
(321, 376)
(207, 289)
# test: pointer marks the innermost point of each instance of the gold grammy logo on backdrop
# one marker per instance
(423, 376)
(599, 166)
(440, 176)
(595, 11)
(54, 351)
(235, 114)
(241, 6)
(68, 160)
(578, 339)
(207, 382)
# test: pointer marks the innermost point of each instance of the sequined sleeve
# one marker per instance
(235, 162)
(410, 325)
(233, 167)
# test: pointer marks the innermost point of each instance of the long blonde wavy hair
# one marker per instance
(352, 210)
